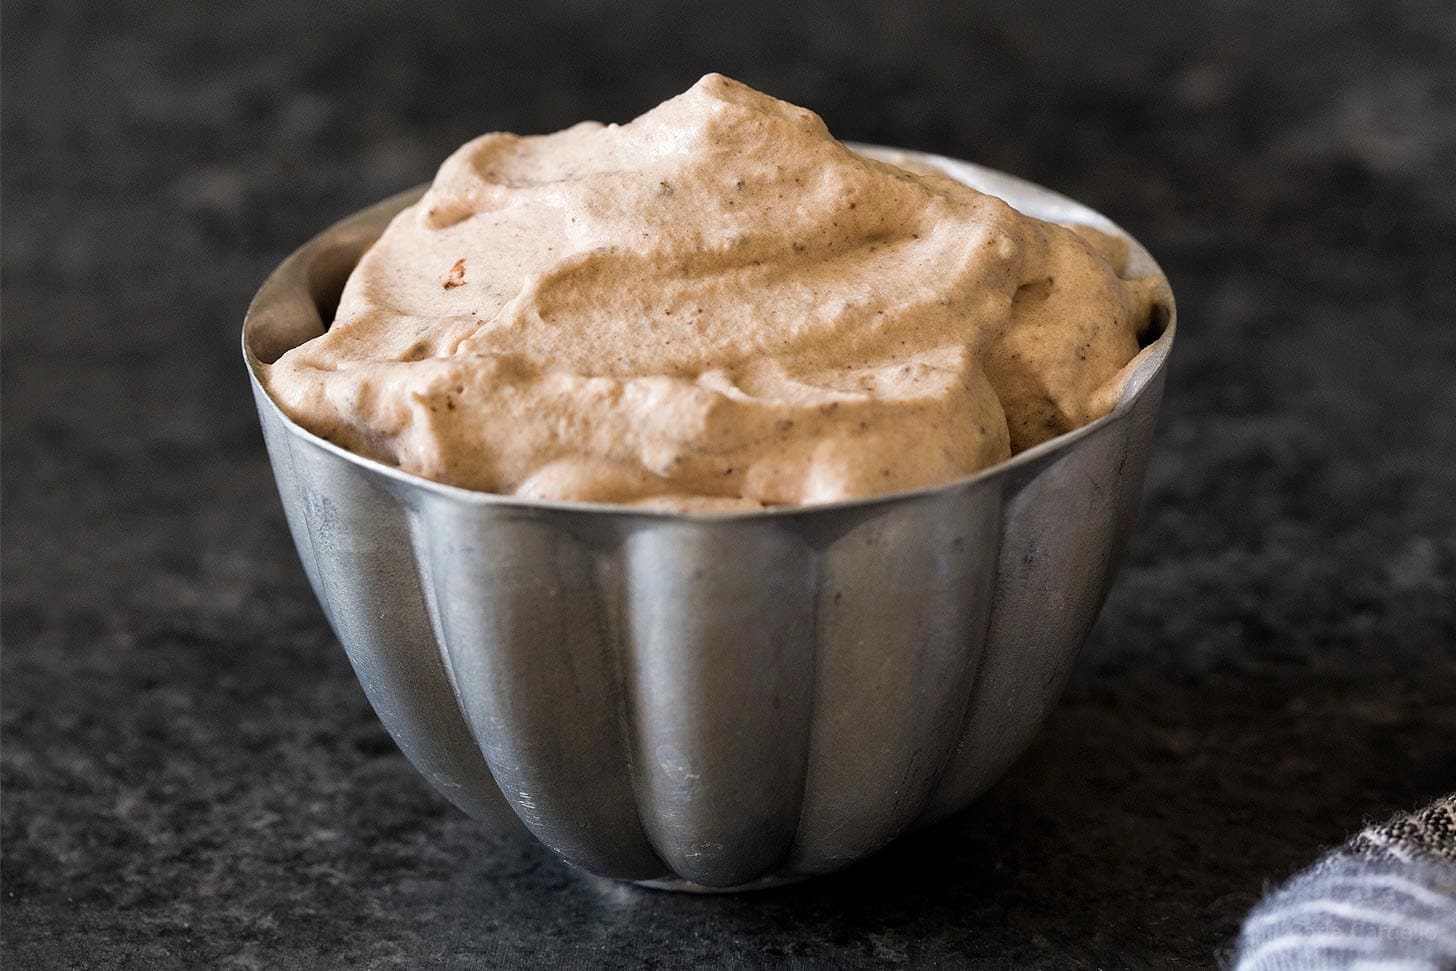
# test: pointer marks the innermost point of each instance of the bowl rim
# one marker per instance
(291, 276)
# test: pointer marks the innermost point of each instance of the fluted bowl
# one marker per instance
(709, 701)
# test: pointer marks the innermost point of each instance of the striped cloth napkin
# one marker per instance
(1385, 900)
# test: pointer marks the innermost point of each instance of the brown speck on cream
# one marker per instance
(456, 276)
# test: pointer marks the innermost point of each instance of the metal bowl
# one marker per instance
(709, 701)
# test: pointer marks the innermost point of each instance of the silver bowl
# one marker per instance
(709, 701)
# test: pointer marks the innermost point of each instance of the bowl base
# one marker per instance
(679, 885)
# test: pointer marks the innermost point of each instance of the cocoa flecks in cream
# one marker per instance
(715, 306)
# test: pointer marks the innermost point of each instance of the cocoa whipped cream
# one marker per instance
(717, 305)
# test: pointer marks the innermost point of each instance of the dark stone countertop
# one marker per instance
(191, 776)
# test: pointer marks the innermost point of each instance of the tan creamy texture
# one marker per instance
(714, 306)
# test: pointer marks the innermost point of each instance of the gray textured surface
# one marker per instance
(190, 774)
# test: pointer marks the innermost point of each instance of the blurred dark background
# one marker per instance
(189, 774)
